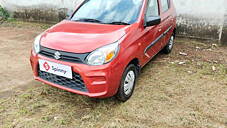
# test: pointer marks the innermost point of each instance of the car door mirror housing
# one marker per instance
(151, 21)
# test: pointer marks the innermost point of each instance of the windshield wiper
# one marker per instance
(89, 20)
(119, 23)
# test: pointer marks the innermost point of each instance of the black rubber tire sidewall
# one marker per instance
(166, 49)
(121, 94)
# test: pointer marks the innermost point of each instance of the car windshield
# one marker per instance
(119, 12)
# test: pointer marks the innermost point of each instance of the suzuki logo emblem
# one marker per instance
(57, 55)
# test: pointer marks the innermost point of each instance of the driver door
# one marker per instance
(152, 34)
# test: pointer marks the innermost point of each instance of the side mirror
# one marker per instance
(151, 21)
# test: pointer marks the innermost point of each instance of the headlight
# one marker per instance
(36, 45)
(103, 55)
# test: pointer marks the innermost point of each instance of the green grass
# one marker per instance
(11, 22)
(159, 101)
(167, 95)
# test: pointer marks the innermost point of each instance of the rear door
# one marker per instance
(166, 24)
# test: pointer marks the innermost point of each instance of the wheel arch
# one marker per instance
(136, 62)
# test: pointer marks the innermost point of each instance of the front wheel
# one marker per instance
(127, 85)
(168, 48)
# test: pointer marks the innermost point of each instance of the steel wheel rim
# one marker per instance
(129, 82)
(171, 42)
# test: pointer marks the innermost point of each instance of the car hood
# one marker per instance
(78, 37)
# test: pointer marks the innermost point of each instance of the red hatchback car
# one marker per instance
(100, 49)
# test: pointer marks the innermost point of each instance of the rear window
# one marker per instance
(165, 5)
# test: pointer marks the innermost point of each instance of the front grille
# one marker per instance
(64, 56)
(76, 83)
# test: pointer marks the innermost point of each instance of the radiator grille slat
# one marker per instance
(76, 83)
(65, 56)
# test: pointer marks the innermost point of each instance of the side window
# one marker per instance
(165, 5)
(152, 9)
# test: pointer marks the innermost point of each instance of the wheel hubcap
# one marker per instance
(129, 82)
(171, 42)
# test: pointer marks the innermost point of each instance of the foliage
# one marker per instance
(3, 14)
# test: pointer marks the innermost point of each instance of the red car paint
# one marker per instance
(79, 37)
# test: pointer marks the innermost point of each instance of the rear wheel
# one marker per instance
(127, 85)
(168, 48)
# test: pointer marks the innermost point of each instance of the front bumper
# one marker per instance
(100, 81)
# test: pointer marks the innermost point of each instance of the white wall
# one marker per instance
(15, 4)
(40, 10)
(200, 18)
(200, 7)
(194, 16)
(192, 7)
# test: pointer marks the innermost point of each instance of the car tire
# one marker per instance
(127, 84)
(168, 48)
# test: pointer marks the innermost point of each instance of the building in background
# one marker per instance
(196, 18)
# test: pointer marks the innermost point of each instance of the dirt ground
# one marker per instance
(186, 89)
(15, 44)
